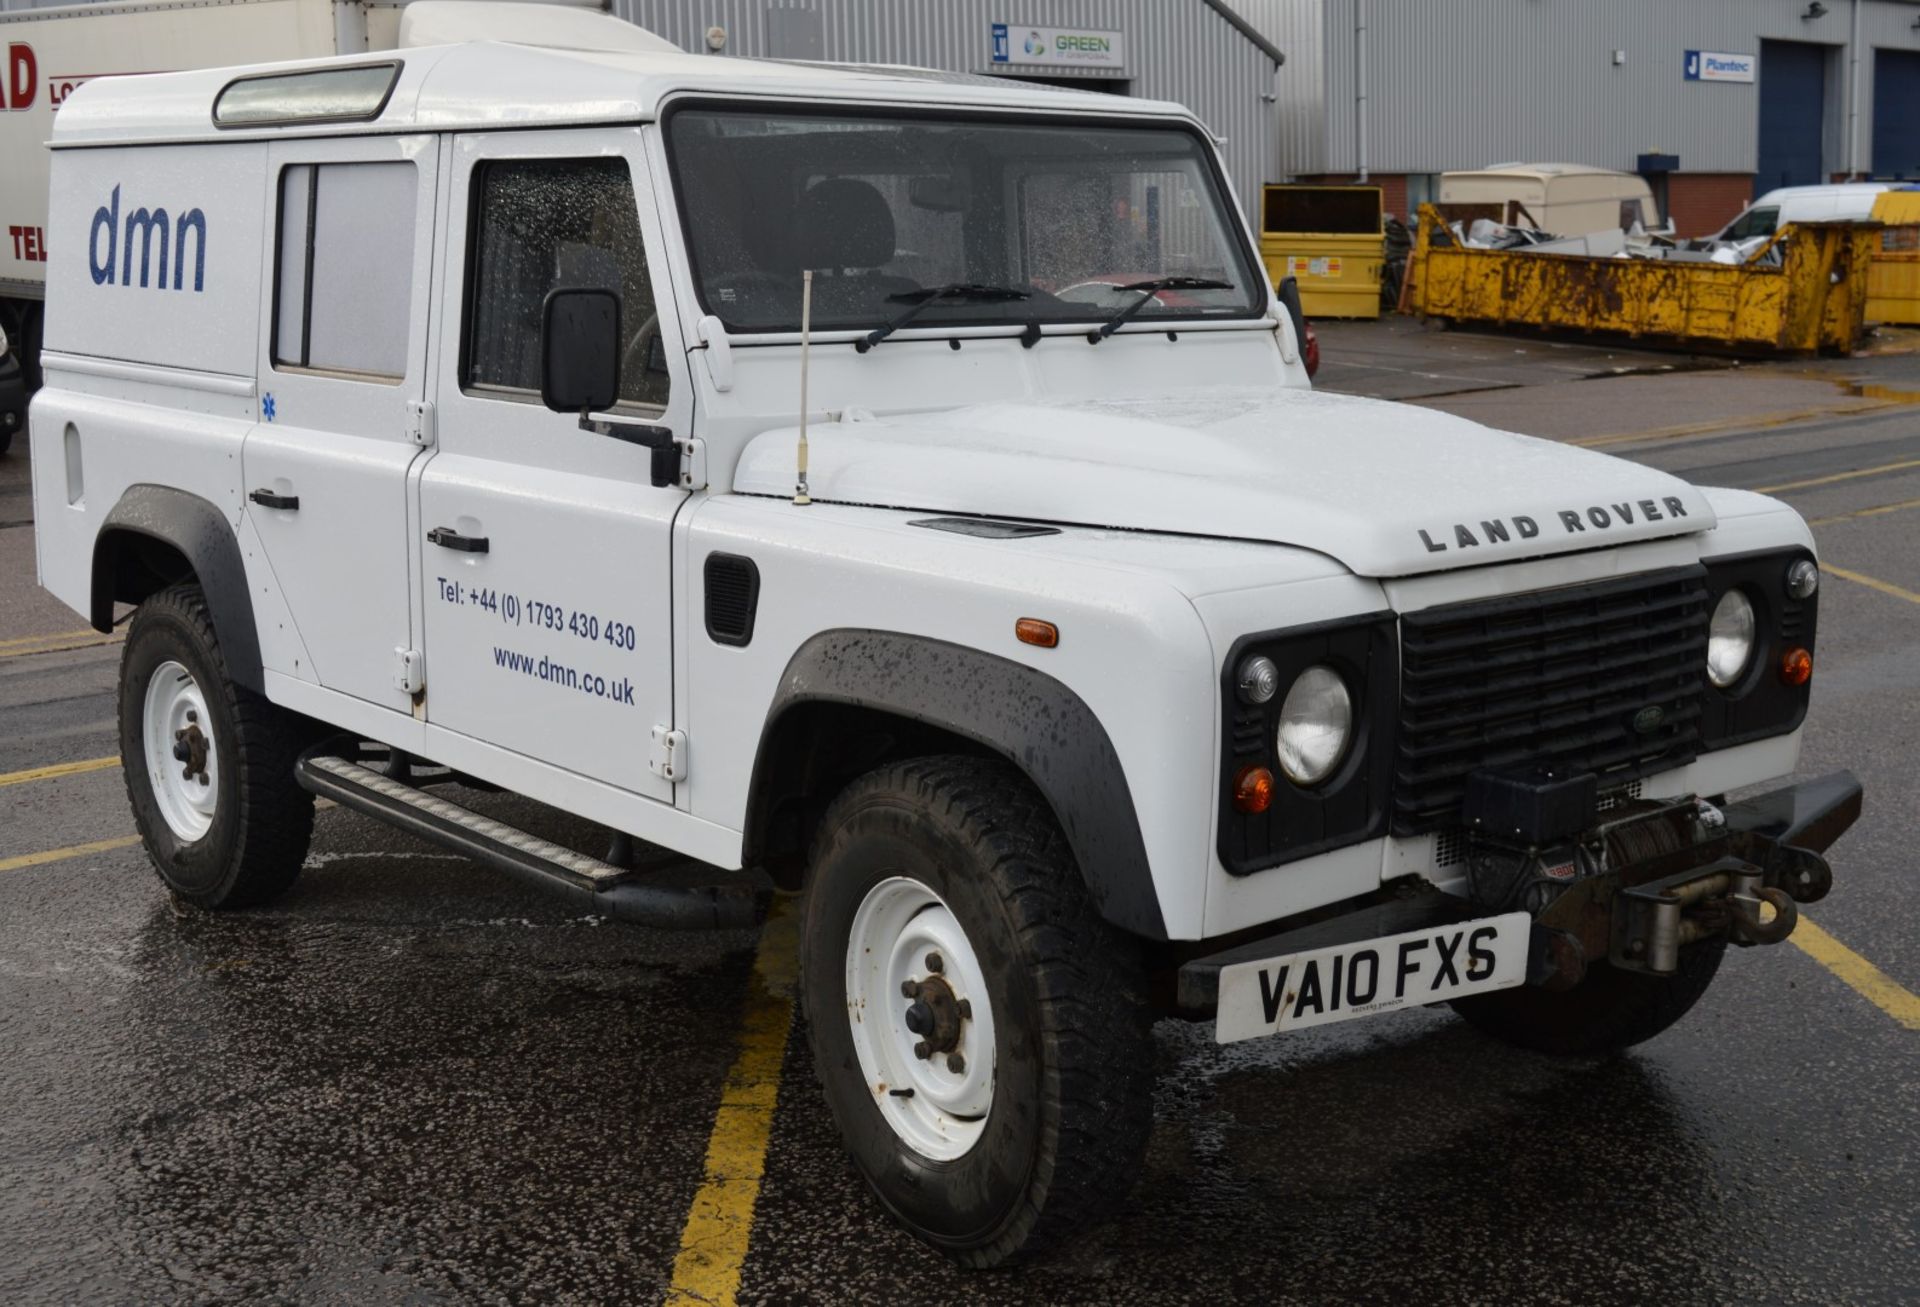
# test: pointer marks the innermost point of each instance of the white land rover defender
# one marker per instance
(438, 414)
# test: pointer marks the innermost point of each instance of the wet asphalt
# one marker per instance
(412, 1081)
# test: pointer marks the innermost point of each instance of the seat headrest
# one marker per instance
(843, 223)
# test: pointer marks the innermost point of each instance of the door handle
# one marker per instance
(448, 538)
(267, 499)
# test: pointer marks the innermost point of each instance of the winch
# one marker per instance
(1638, 880)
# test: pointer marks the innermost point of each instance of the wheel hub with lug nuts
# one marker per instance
(921, 1021)
(183, 766)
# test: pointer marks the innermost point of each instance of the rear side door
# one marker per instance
(547, 551)
(342, 372)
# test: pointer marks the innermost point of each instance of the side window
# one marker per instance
(539, 224)
(343, 279)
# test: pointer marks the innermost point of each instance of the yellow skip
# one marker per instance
(57, 770)
(71, 851)
(1873, 984)
(713, 1244)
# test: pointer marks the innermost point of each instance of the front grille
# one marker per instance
(1561, 677)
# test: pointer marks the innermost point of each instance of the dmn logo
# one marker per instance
(153, 227)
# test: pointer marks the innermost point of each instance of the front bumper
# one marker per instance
(1742, 874)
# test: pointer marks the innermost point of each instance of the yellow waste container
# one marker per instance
(1331, 240)
(1893, 277)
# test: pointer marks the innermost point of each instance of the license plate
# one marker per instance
(1374, 976)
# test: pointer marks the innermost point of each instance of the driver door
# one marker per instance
(547, 570)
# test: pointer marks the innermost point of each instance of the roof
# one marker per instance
(1829, 188)
(1538, 171)
(487, 84)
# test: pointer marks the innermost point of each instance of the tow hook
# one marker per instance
(1652, 922)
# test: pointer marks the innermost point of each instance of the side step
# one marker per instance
(594, 886)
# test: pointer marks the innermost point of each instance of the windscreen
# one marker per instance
(881, 207)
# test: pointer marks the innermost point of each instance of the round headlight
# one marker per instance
(3, 342)
(1258, 680)
(1729, 639)
(1803, 578)
(1316, 723)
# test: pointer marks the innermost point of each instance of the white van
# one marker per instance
(710, 449)
(1840, 202)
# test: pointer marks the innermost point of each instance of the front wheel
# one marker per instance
(1607, 1011)
(208, 764)
(980, 1032)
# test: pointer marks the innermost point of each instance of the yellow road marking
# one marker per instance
(1866, 512)
(713, 1244)
(1756, 422)
(1872, 583)
(1874, 985)
(71, 851)
(58, 644)
(57, 770)
(1811, 482)
(38, 639)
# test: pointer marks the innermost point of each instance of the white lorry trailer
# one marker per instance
(439, 417)
(46, 54)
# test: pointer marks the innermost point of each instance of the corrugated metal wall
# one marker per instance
(1175, 50)
(1471, 82)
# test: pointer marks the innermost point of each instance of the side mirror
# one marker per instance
(580, 349)
(1289, 292)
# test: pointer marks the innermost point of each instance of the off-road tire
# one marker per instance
(262, 820)
(1072, 1102)
(1609, 1010)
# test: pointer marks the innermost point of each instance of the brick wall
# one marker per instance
(1393, 188)
(1701, 203)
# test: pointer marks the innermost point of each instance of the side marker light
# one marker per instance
(1796, 667)
(1033, 631)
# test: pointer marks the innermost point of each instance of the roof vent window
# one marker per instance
(317, 95)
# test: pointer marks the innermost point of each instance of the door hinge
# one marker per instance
(409, 671)
(420, 421)
(693, 463)
(669, 760)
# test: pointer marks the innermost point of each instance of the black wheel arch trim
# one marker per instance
(206, 539)
(1023, 715)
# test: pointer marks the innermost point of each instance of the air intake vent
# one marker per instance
(1559, 677)
(733, 595)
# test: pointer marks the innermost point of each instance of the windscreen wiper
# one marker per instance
(1149, 289)
(925, 297)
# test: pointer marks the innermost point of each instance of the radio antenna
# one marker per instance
(800, 495)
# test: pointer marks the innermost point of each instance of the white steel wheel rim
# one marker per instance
(897, 925)
(175, 707)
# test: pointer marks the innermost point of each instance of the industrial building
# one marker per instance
(1714, 100)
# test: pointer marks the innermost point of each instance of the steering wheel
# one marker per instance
(640, 347)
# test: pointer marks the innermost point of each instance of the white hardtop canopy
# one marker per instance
(481, 85)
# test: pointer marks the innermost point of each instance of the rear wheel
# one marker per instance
(1609, 1010)
(980, 1032)
(208, 764)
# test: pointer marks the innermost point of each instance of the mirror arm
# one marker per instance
(665, 467)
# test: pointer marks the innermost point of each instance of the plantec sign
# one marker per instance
(1057, 47)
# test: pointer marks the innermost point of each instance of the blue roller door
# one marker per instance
(1793, 98)
(1896, 113)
